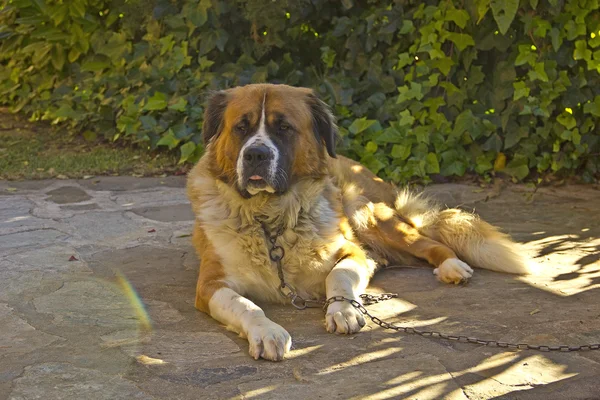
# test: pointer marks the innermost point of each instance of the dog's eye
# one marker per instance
(241, 128)
(284, 127)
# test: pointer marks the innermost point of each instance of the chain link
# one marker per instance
(276, 254)
(456, 338)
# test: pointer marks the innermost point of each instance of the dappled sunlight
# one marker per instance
(398, 372)
(431, 390)
(508, 374)
(499, 374)
(393, 310)
(560, 243)
(404, 377)
(295, 353)
(17, 219)
(431, 386)
(145, 360)
(360, 359)
(575, 266)
(256, 392)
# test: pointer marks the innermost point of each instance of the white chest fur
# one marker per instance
(310, 240)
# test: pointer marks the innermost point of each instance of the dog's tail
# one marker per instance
(474, 240)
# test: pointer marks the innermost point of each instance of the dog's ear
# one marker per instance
(213, 116)
(323, 123)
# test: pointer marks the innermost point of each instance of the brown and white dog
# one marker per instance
(270, 154)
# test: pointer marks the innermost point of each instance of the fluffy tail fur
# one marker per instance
(474, 240)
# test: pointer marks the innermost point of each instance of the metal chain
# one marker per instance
(458, 338)
(276, 254)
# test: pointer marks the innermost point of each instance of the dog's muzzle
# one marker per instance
(257, 167)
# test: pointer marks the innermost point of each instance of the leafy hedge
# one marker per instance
(420, 87)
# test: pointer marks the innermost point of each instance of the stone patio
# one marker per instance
(97, 282)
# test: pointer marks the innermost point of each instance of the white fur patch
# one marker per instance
(261, 137)
(349, 279)
(454, 271)
(233, 310)
(266, 339)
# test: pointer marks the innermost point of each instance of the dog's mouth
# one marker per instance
(257, 182)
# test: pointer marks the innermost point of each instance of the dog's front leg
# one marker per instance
(349, 278)
(216, 297)
(267, 339)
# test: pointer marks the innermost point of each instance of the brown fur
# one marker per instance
(211, 275)
(334, 209)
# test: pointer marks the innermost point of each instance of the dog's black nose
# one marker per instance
(257, 154)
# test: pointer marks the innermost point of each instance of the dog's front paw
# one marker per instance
(342, 317)
(453, 271)
(268, 340)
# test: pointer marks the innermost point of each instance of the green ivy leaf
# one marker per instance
(204, 63)
(483, 164)
(360, 125)
(432, 166)
(95, 63)
(187, 150)
(538, 73)
(328, 56)
(157, 102)
(541, 27)
(443, 64)
(459, 17)
(504, 12)
(404, 59)
(494, 143)
(179, 105)
(40, 55)
(581, 51)
(556, 38)
(371, 147)
(482, 8)
(73, 55)
(461, 40)
(526, 56)
(521, 90)
(513, 136)
(464, 123)
(407, 27)
(373, 163)
(401, 152)
(455, 167)
(517, 168)
(415, 92)
(169, 140)
(391, 135)
(566, 120)
(406, 118)
(198, 15)
(593, 107)
(57, 57)
(77, 8)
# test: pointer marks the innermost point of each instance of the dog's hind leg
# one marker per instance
(384, 231)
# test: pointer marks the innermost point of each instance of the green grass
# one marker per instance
(35, 151)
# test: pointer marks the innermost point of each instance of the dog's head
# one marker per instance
(263, 138)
